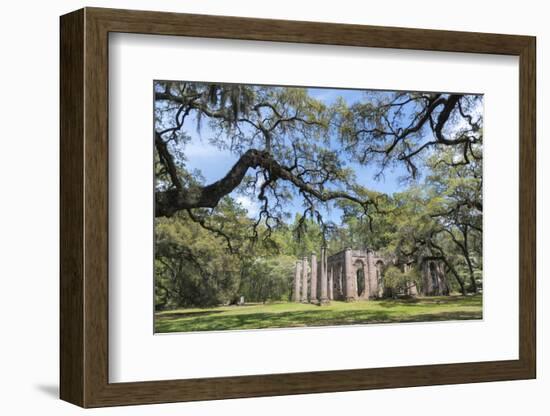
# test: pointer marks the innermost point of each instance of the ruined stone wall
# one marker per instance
(434, 279)
(344, 267)
(352, 275)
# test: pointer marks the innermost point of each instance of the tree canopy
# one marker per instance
(292, 149)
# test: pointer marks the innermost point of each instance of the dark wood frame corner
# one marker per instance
(84, 207)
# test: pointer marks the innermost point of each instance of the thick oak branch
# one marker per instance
(170, 201)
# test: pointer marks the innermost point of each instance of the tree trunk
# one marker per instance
(457, 277)
(473, 284)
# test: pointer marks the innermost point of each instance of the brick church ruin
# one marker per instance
(352, 275)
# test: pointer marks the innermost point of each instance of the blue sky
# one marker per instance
(214, 163)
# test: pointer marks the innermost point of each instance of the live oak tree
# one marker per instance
(403, 128)
(289, 146)
(282, 136)
(460, 214)
(276, 132)
(418, 236)
(192, 268)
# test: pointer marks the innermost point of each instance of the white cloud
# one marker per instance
(203, 149)
(251, 206)
(211, 161)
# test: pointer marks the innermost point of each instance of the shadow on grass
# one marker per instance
(434, 302)
(303, 319)
(184, 314)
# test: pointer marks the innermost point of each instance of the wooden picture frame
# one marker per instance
(84, 207)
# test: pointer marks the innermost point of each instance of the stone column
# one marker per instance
(367, 282)
(344, 274)
(350, 295)
(379, 279)
(297, 281)
(443, 285)
(313, 285)
(407, 283)
(370, 276)
(426, 287)
(323, 275)
(331, 284)
(304, 280)
(340, 284)
(430, 282)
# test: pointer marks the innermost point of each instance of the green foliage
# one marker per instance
(192, 266)
(394, 278)
(397, 280)
(267, 279)
(195, 266)
(284, 315)
(212, 256)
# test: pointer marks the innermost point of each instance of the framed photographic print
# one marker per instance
(257, 207)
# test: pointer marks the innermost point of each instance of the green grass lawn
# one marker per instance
(285, 315)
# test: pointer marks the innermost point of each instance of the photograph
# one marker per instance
(305, 206)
